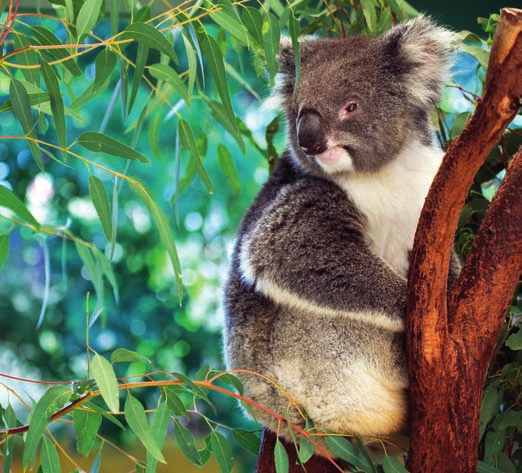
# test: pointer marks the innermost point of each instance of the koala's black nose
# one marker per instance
(310, 133)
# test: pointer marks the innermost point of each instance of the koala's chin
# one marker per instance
(316, 295)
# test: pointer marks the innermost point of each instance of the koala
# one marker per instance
(315, 300)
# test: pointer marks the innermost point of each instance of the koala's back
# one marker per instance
(348, 375)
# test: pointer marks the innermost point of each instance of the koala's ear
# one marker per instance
(421, 52)
(286, 58)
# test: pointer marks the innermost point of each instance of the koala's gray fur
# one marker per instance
(316, 296)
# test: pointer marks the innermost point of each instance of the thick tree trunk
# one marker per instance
(450, 344)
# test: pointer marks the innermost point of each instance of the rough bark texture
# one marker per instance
(450, 344)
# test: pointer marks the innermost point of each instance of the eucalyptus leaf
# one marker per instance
(49, 460)
(103, 374)
(222, 452)
(86, 423)
(150, 37)
(53, 399)
(99, 142)
(169, 75)
(10, 201)
(281, 458)
(137, 420)
(87, 17)
(123, 355)
(4, 247)
(248, 440)
(186, 443)
(100, 200)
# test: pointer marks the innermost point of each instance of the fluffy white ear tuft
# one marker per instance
(422, 52)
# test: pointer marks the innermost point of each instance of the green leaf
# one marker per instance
(13, 203)
(49, 457)
(103, 374)
(306, 450)
(123, 355)
(514, 341)
(150, 37)
(228, 167)
(191, 64)
(22, 110)
(345, 450)
(232, 380)
(52, 400)
(4, 247)
(95, 273)
(57, 107)
(86, 423)
(392, 465)
(280, 457)
(87, 17)
(227, 18)
(248, 440)
(27, 57)
(221, 115)
(222, 452)
(295, 31)
(98, 142)
(187, 139)
(271, 37)
(9, 416)
(47, 38)
(186, 443)
(253, 21)
(159, 427)
(485, 468)
(370, 14)
(137, 420)
(198, 392)
(164, 231)
(217, 68)
(105, 62)
(141, 61)
(100, 200)
(174, 402)
(169, 75)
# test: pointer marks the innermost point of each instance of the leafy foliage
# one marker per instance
(188, 110)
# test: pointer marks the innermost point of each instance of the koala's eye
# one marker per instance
(351, 107)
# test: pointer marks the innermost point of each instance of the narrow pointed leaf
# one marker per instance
(271, 37)
(228, 167)
(253, 21)
(9, 200)
(295, 31)
(49, 459)
(164, 230)
(187, 139)
(345, 450)
(103, 374)
(87, 17)
(192, 64)
(281, 458)
(159, 425)
(222, 451)
(57, 107)
(22, 110)
(93, 270)
(141, 61)
(186, 442)
(4, 248)
(216, 65)
(53, 399)
(151, 37)
(174, 402)
(86, 423)
(27, 57)
(47, 38)
(248, 440)
(392, 465)
(137, 420)
(105, 63)
(105, 269)
(94, 141)
(220, 114)
(227, 18)
(169, 75)
(100, 200)
(124, 355)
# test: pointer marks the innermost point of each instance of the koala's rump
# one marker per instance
(350, 379)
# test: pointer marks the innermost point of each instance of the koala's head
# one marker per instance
(359, 100)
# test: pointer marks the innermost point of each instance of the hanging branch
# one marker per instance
(450, 346)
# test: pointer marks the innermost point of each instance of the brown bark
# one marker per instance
(450, 345)
(266, 462)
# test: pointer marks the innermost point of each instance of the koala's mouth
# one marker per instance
(335, 158)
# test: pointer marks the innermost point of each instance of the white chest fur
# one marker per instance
(392, 200)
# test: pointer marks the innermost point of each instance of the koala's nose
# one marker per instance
(310, 132)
